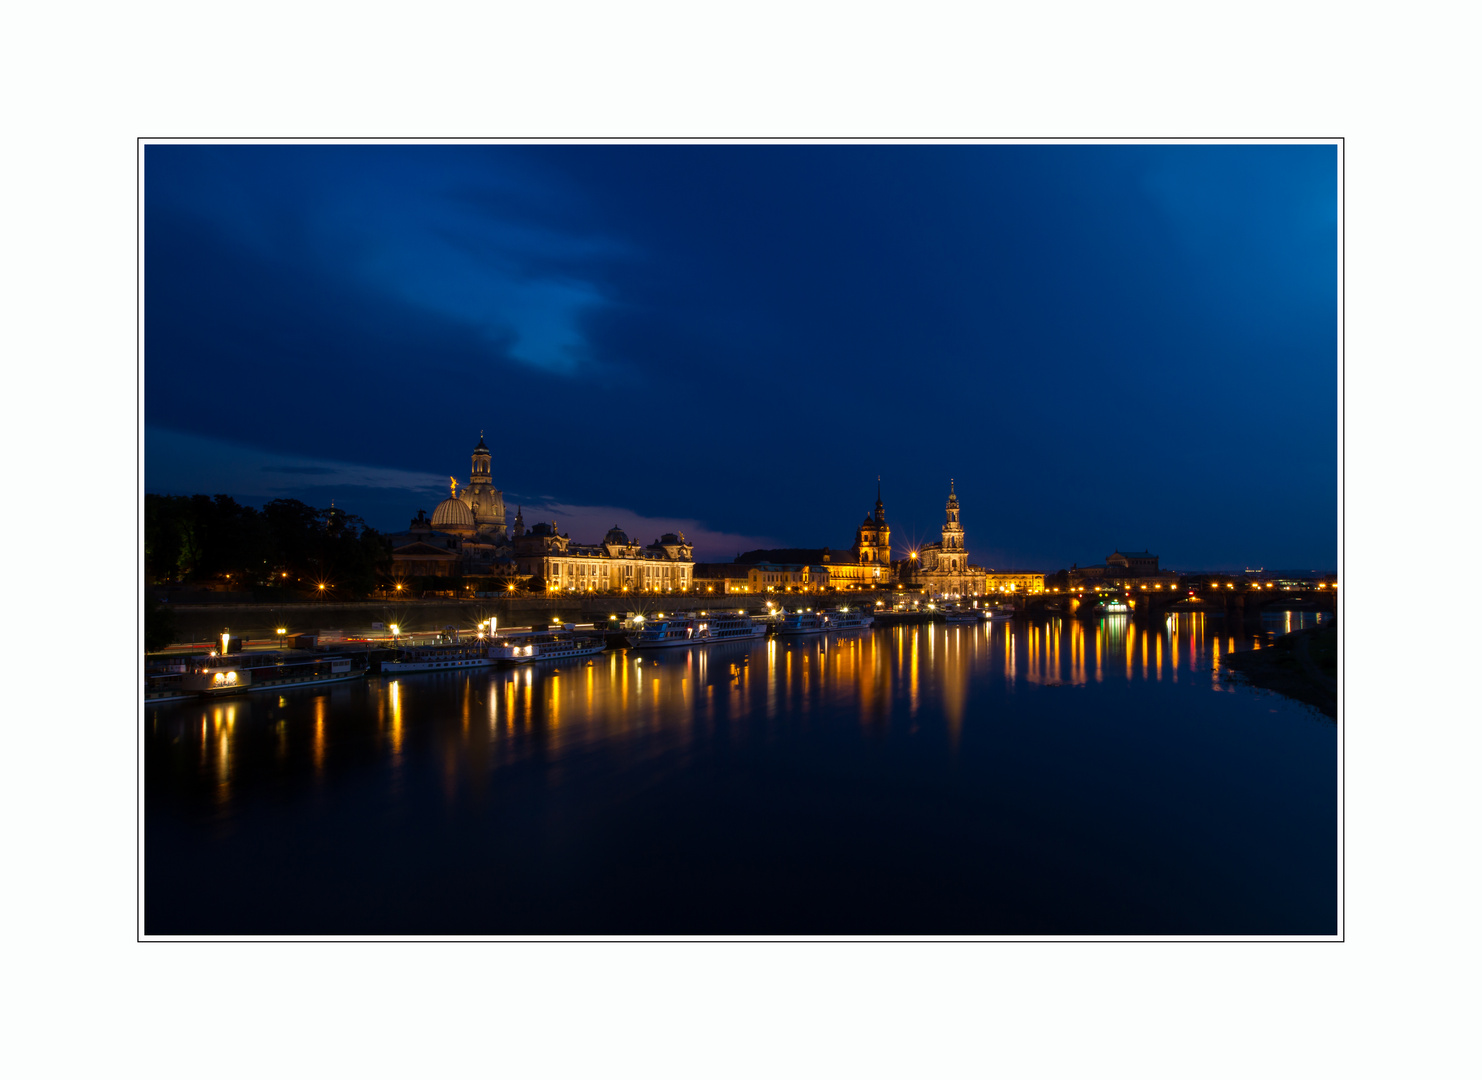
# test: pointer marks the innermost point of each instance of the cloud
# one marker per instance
(179, 464)
(466, 236)
(589, 524)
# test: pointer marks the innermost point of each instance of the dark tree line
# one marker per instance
(287, 545)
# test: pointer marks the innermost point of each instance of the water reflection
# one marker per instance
(878, 678)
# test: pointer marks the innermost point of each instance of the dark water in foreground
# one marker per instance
(998, 779)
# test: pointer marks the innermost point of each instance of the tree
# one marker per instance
(159, 625)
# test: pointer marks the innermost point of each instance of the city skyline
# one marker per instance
(1105, 346)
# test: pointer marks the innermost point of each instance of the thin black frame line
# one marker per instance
(1343, 486)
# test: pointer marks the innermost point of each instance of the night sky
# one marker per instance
(1106, 346)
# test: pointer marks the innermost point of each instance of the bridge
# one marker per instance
(1242, 601)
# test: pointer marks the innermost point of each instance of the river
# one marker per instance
(1101, 778)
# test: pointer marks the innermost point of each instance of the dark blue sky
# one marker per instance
(1105, 346)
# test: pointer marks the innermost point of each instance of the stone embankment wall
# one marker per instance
(205, 622)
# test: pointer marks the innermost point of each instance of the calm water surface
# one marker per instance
(1060, 778)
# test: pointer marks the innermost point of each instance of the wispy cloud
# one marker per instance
(589, 524)
(181, 464)
(177, 463)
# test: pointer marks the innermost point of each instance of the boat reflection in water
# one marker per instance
(1063, 777)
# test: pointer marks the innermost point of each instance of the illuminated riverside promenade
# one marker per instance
(1069, 777)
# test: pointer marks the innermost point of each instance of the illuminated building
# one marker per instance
(1141, 563)
(787, 577)
(1121, 569)
(943, 567)
(867, 564)
(449, 545)
(614, 565)
(466, 535)
(1013, 581)
(482, 501)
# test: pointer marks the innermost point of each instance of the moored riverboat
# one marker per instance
(802, 622)
(849, 619)
(530, 646)
(241, 673)
(661, 633)
(726, 627)
(461, 655)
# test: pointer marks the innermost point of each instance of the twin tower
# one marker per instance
(872, 538)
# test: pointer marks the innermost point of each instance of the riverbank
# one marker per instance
(1302, 665)
(203, 623)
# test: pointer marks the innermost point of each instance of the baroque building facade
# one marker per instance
(617, 564)
(942, 567)
(467, 535)
(866, 565)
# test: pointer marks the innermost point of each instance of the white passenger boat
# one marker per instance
(458, 656)
(802, 622)
(661, 633)
(1113, 607)
(965, 615)
(998, 614)
(725, 627)
(526, 648)
(846, 619)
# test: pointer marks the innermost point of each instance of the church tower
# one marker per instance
(486, 500)
(872, 540)
(952, 536)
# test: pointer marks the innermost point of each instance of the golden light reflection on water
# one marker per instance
(224, 722)
(877, 679)
(915, 666)
(396, 717)
(319, 703)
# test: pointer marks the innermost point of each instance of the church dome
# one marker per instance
(452, 513)
(616, 536)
